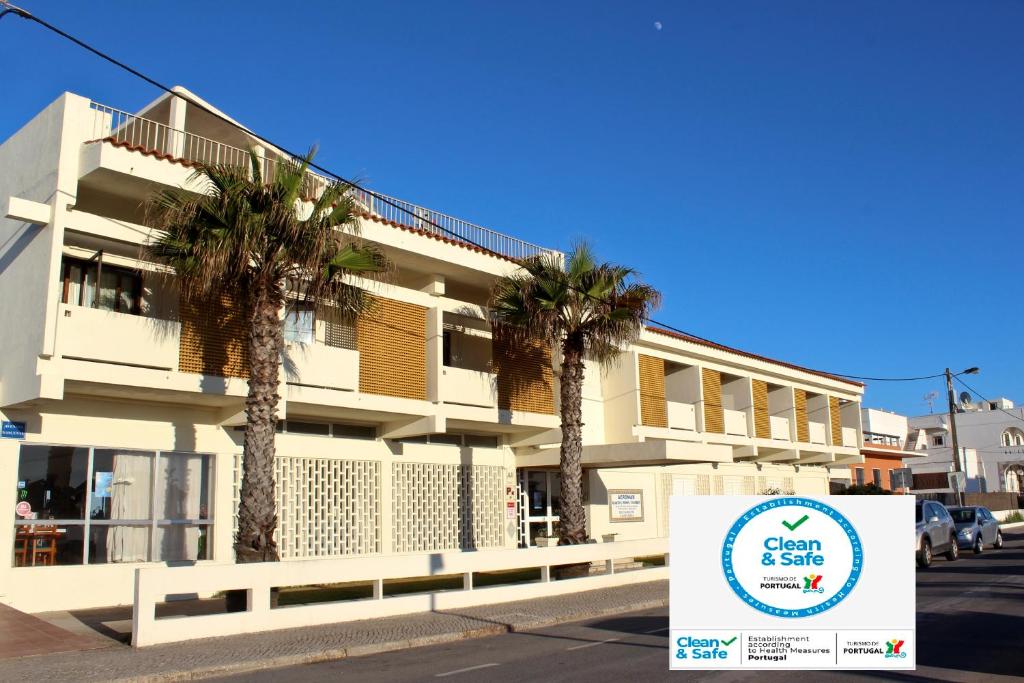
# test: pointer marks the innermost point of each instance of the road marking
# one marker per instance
(468, 668)
(586, 645)
(657, 630)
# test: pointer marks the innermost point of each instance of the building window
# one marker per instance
(81, 505)
(118, 289)
(298, 324)
(462, 440)
(938, 440)
(876, 476)
(860, 476)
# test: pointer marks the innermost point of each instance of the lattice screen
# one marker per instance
(714, 415)
(447, 507)
(392, 341)
(327, 507)
(214, 337)
(762, 419)
(835, 417)
(803, 433)
(701, 485)
(734, 485)
(783, 484)
(653, 410)
(525, 378)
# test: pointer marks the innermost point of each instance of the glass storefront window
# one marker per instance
(112, 543)
(537, 492)
(183, 487)
(51, 482)
(101, 505)
(121, 484)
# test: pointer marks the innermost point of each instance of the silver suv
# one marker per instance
(936, 533)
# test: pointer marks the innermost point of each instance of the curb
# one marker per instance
(340, 653)
(1011, 527)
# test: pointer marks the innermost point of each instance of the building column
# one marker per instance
(176, 121)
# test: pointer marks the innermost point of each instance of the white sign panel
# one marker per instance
(626, 505)
(792, 582)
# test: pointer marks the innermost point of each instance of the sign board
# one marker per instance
(626, 505)
(23, 509)
(956, 480)
(12, 430)
(792, 582)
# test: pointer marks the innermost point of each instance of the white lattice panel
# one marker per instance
(781, 484)
(447, 507)
(701, 487)
(325, 507)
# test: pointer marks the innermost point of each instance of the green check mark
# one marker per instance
(729, 642)
(794, 525)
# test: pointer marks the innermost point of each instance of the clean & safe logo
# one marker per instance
(690, 647)
(776, 555)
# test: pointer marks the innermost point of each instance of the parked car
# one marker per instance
(936, 533)
(976, 528)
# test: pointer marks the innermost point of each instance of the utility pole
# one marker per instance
(952, 432)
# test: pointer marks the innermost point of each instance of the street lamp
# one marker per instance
(952, 426)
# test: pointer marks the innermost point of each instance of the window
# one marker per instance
(1007, 439)
(119, 289)
(342, 431)
(860, 476)
(317, 428)
(893, 484)
(298, 323)
(446, 348)
(876, 476)
(938, 440)
(80, 505)
(463, 440)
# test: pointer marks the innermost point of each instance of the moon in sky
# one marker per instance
(657, 26)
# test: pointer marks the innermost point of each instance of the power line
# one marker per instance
(382, 198)
(970, 389)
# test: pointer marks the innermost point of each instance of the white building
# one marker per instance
(415, 431)
(991, 440)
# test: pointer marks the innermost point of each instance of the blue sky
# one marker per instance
(839, 185)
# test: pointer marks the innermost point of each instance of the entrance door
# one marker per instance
(540, 504)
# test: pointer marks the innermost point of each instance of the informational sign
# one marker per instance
(792, 582)
(626, 505)
(23, 509)
(12, 430)
(510, 510)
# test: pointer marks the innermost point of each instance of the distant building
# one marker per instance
(888, 443)
(991, 440)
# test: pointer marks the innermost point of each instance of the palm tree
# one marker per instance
(258, 240)
(590, 310)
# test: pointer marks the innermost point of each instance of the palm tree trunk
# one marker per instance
(257, 512)
(572, 518)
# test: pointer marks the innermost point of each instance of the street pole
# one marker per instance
(952, 431)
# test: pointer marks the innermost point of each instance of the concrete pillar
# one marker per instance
(176, 121)
(435, 353)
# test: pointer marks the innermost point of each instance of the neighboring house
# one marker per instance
(991, 440)
(414, 430)
(888, 447)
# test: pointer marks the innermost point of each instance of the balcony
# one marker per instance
(817, 432)
(780, 428)
(120, 338)
(127, 130)
(735, 422)
(465, 386)
(319, 365)
(681, 415)
(877, 439)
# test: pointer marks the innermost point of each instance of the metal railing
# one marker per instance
(881, 439)
(122, 127)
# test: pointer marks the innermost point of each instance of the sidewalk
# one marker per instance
(236, 654)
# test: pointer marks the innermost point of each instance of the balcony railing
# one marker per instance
(881, 439)
(122, 127)
(681, 415)
(817, 432)
(735, 422)
(779, 427)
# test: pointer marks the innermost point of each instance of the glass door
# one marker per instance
(540, 503)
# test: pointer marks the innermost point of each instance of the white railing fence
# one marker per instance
(122, 127)
(153, 585)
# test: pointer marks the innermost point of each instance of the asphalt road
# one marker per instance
(969, 628)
